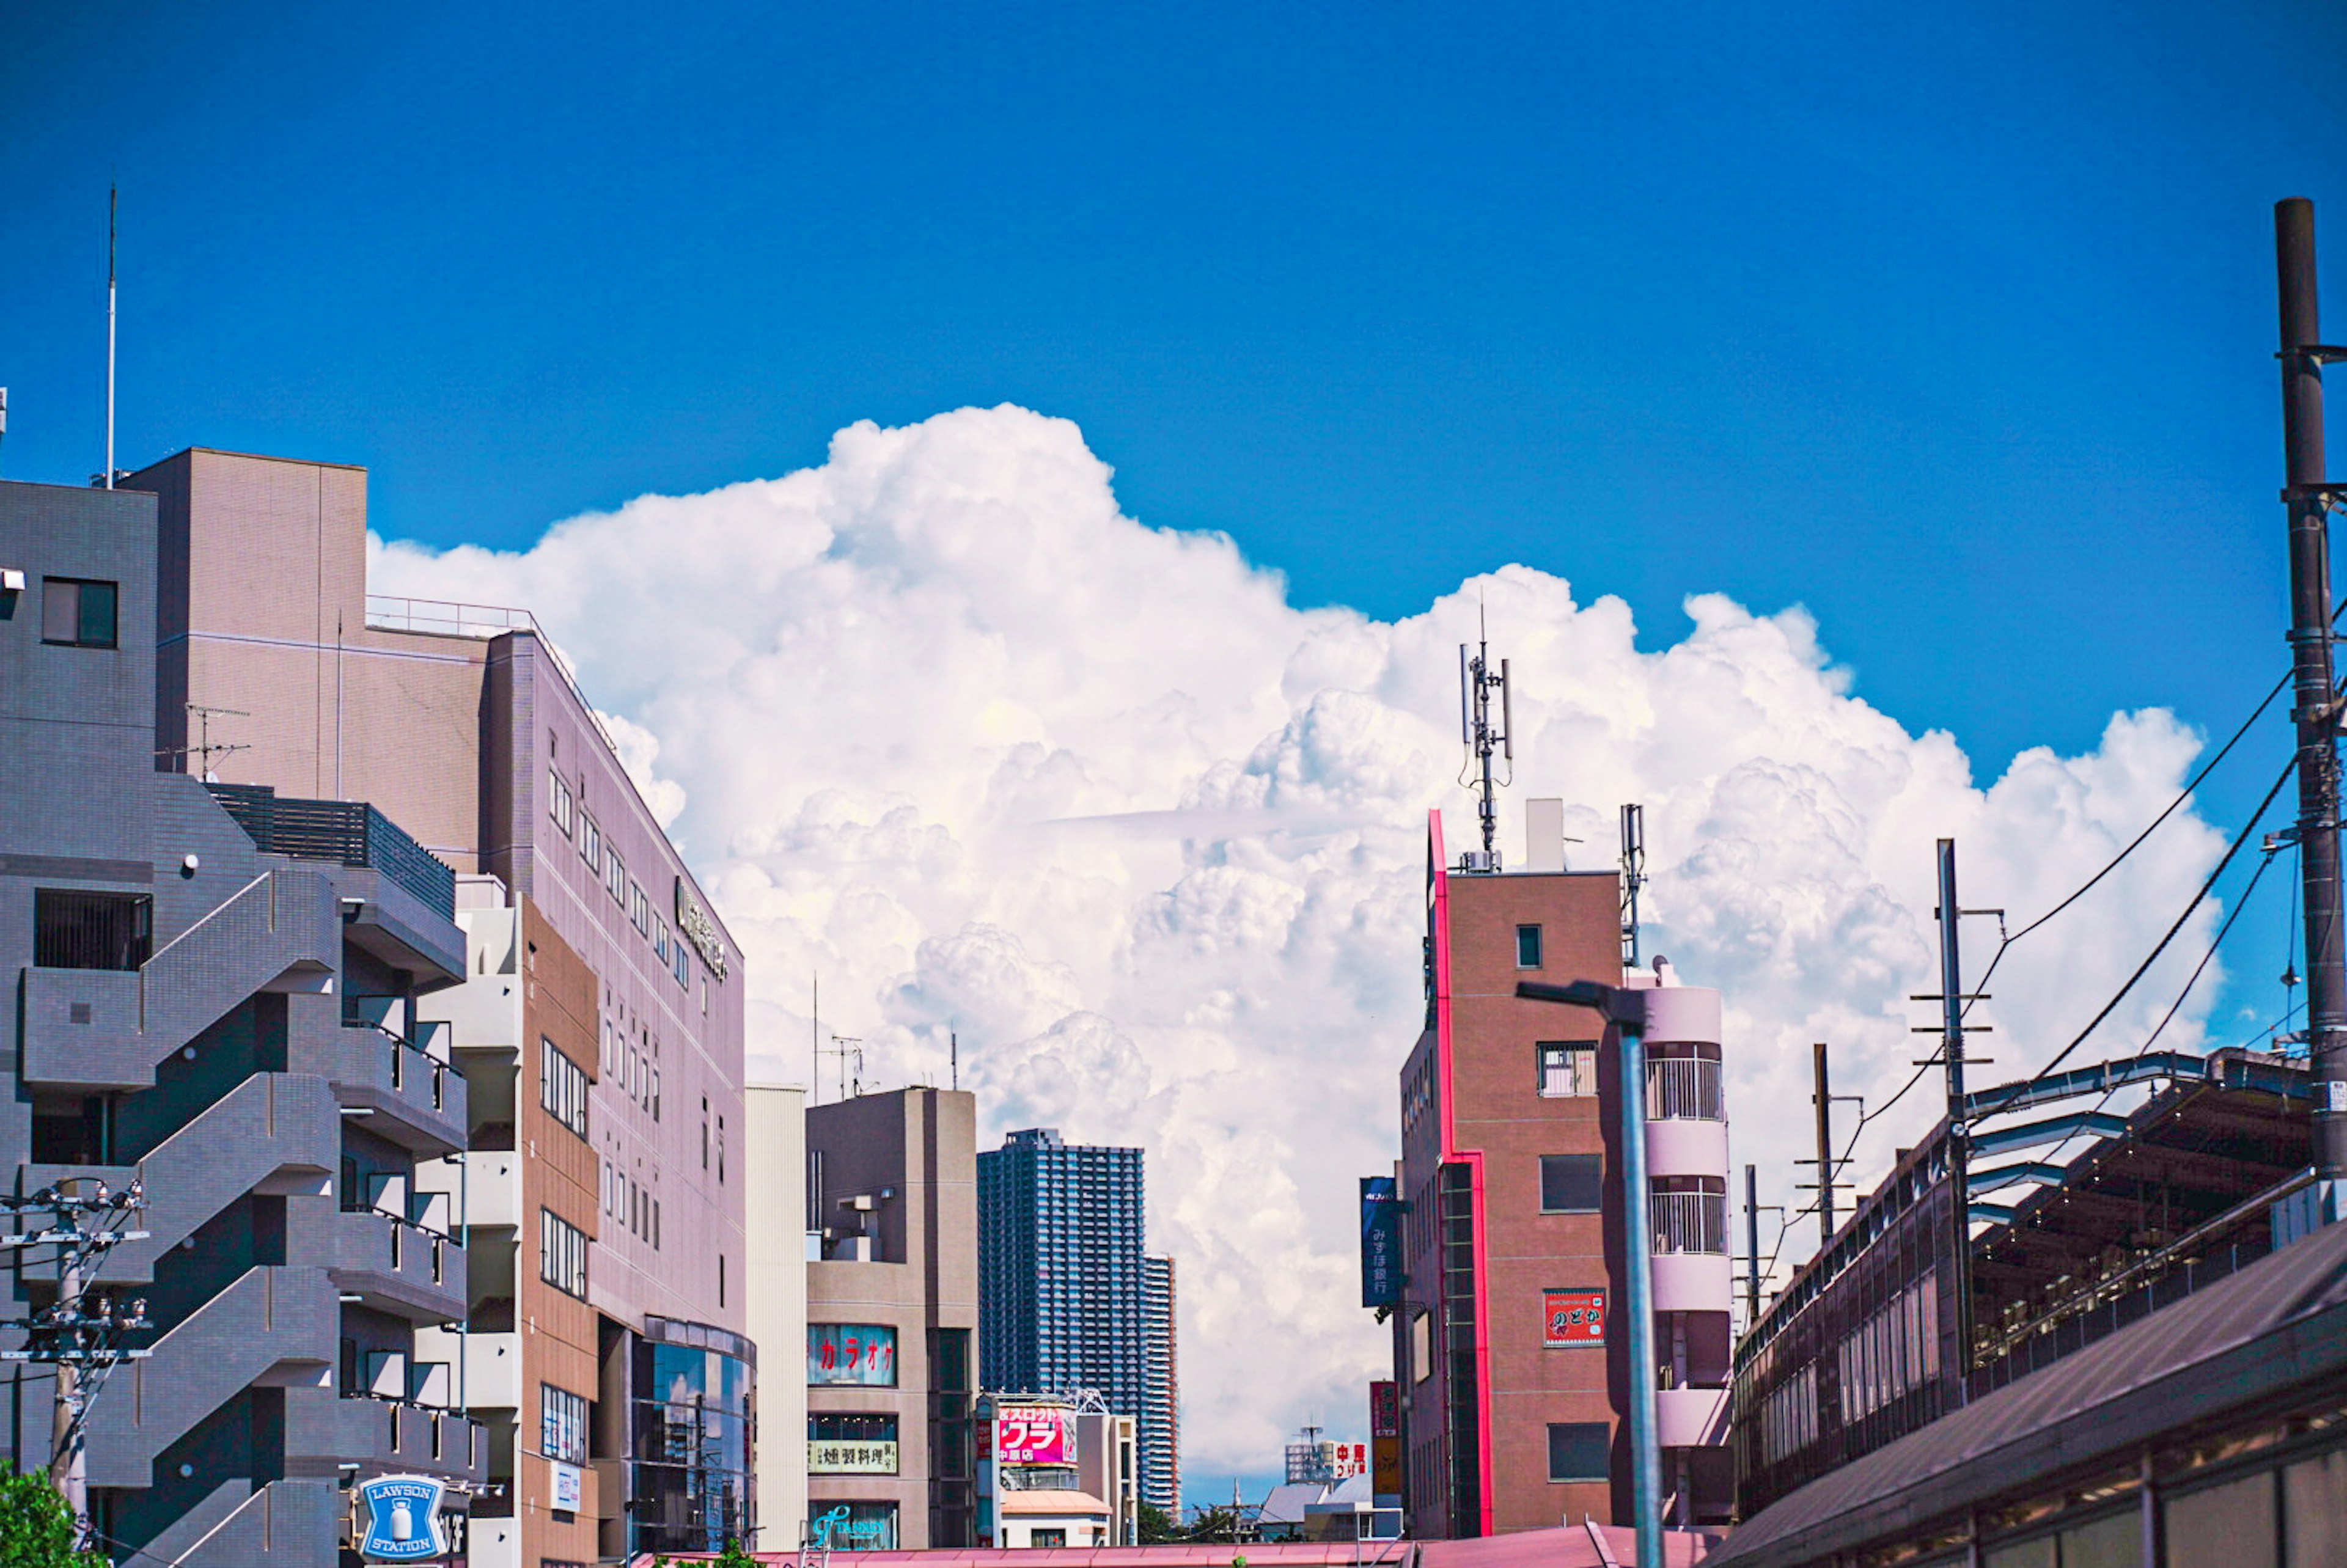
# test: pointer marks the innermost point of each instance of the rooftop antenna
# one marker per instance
(953, 1058)
(111, 197)
(204, 751)
(848, 1049)
(4, 413)
(1634, 876)
(1477, 681)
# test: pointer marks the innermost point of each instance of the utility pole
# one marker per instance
(2309, 497)
(112, 195)
(79, 1336)
(1824, 1099)
(1951, 1051)
(1634, 877)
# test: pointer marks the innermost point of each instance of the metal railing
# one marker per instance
(392, 613)
(350, 832)
(1684, 1088)
(1689, 1222)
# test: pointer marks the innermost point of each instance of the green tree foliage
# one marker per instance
(36, 1529)
(1157, 1526)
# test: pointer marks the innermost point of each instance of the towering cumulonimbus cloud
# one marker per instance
(937, 720)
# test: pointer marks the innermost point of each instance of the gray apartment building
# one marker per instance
(1071, 1303)
(892, 1371)
(217, 994)
(599, 1020)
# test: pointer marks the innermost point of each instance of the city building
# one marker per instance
(1056, 1471)
(598, 982)
(1071, 1303)
(220, 996)
(783, 1243)
(890, 1254)
(2155, 1348)
(1160, 1422)
(1509, 1346)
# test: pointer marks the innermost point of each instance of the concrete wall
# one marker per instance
(774, 1177)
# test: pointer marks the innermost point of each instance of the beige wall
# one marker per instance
(775, 1171)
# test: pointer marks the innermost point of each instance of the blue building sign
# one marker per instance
(402, 1518)
(1381, 1241)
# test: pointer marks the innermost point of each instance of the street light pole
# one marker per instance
(1626, 1011)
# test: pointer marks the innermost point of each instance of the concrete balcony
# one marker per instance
(327, 1434)
(402, 1093)
(488, 1367)
(1692, 1282)
(393, 1266)
(1687, 1148)
(1691, 1418)
(481, 1188)
(100, 1029)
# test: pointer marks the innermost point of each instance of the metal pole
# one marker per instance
(2308, 499)
(1951, 1010)
(1751, 1246)
(110, 201)
(1645, 1457)
(1825, 1144)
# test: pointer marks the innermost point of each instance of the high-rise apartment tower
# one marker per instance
(1066, 1292)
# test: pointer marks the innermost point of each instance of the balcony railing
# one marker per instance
(1689, 1222)
(350, 832)
(1684, 1088)
(415, 1069)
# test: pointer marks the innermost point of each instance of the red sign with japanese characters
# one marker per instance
(1574, 1316)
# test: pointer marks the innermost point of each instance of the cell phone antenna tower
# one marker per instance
(1477, 683)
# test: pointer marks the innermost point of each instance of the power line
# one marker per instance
(2015, 1091)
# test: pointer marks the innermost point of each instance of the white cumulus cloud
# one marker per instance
(938, 720)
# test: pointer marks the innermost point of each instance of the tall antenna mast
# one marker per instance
(111, 196)
(1634, 876)
(1477, 681)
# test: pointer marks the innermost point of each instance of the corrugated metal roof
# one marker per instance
(2282, 1321)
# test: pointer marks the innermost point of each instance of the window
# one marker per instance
(558, 799)
(561, 1087)
(659, 940)
(705, 1132)
(615, 877)
(561, 1254)
(562, 1424)
(655, 1093)
(1042, 1537)
(1580, 1451)
(640, 909)
(1572, 1183)
(720, 1149)
(1568, 1069)
(590, 842)
(680, 965)
(75, 930)
(76, 613)
(1528, 947)
(721, 1262)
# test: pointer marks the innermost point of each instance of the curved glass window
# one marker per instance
(692, 1427)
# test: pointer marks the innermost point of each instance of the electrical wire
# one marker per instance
(2015, 1091)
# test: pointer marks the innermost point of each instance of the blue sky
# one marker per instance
(1953, 325)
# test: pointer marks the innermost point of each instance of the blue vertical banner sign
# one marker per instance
(1381, 1241)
